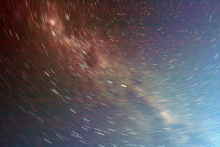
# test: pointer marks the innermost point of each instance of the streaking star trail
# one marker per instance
(107, 73)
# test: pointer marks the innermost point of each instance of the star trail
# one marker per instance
(109, 73)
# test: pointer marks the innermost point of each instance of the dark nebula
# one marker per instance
(90, 58)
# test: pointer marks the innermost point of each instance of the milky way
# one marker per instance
(108, 73)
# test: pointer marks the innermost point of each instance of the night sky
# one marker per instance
(110, 73)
